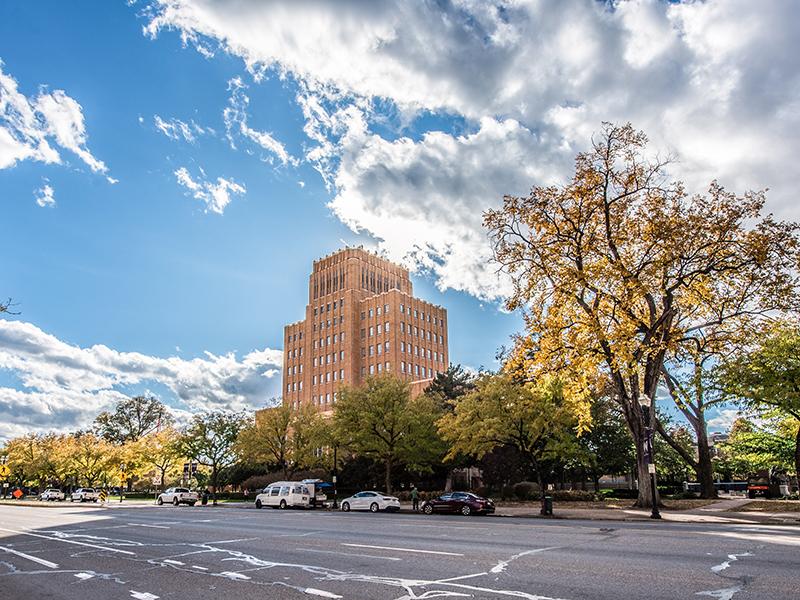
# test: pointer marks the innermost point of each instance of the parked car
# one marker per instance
(465, 503)
(84, 495)
(52, 494)
(177, 496)
(284, 494)
(371, 501)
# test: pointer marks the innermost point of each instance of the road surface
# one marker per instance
(150, 552)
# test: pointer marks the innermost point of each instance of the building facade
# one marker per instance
(361, 320)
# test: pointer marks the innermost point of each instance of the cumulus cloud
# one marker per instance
(216, 196)
(30, 128)
(175, 129)
(64, 386)
(713, 83)
(45, 196)
(235, 118)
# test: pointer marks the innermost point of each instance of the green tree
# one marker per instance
(132, 418)
(536, 420)
(607, 445)
(750, 448)
(450, 384)
(616, 267)
(767, 377)
(209, 439)
(161, 450)
(381, 420)
(286, 438)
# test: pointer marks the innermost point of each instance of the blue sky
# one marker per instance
(217, 148)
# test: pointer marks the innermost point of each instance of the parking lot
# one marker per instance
(148, 552)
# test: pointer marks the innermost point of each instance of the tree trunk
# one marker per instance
(596, 479)
(214, 484)
(542, 492)
(645, 496)
(388, 481)
(705, 469)
(797, 459)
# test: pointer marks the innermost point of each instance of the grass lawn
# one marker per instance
(772, 506)
(614, 504)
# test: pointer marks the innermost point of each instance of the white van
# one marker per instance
(284, 494)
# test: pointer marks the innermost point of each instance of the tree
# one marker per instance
(92, 459)
(607, 445)
(450, 384)
(132, 418)
(286, 438)
(750, 448)
(161, 451)
(614, 269)
(535, 420)
(768, 376)
(209, 439)
(380, 420)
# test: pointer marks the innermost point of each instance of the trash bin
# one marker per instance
(204, 498)
(548, 505)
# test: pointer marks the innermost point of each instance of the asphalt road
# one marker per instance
(195, 553)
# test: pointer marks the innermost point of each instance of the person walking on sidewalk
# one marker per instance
(414, 498)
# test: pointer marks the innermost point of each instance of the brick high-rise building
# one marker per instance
(361, 319)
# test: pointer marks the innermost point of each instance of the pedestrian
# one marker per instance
(246, 494)
(414, 498)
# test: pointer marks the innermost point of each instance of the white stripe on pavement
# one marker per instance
(35, 559)
(322, 593)
(348, 554)
(58, 539)
(404, 549)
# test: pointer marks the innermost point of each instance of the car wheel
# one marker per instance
(94, 500)
(374, 507)
(175, 502)
(466, 510)
(258, 504)
(283, 504)
(427, 509)
(191, 503)
(71, 499)
(160, 501)
(345, 507)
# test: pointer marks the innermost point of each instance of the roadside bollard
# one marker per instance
(548, 506)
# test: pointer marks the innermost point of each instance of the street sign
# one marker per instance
(4, 471)
(17, 493)
(5, 484)
(651, 468)
(103, 495)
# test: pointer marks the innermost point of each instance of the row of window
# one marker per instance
(328, 377)
(328, 359)
(327, 307)
(296, 336)
(327, 323)
(326, 341)
(332, 282)
(373, 312)
(379, 349)
(411, 330)
(295, 369)
(294, 387)
(294, 352)
(405, 368)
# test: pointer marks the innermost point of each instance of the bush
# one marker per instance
(620, 494)
(525, 490)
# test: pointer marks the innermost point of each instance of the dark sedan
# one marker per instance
(458, 502)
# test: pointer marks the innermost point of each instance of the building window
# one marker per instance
(371, 369)
(327, 376)
(315, 361)
(371, 331)
(371, 350)
(334, 305)
(363, 351)
(380, 349)
(380, 367)
(379, 310)
(386, 309)
(370, 313)
(327, 398)
(363, 315)
(313, 380)
(288, 388)
(334, 338)
(328, 341)
(327, 359)
(341, 320)
(402, 309)
(416, 314)
(301, 351)
(301, 368)
(386, 366)
(386, 327)
(402, 366)
(315, 311)
(363, 333)
(363, 371)
(328, 307)
(402, 346)
(402, 327)
(341, 355)
(300, 386)
(416, 331)
(341, 374)
(386, 345)
(334, 375)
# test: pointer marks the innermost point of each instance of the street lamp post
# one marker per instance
(645, 402)
(335, 463)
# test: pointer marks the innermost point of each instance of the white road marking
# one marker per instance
(35, 559)
(84, 575)
(723, 594)
(57, 539)
(143, 595)
(233, 575)
(323, 593)
(232, 541)
(460, 577)
(200, 568)
(782, 540)
(503, 564)
(300, 534)
(148, 525)
(404, 549)
(169, 561)
(348, 554)
(731, 558)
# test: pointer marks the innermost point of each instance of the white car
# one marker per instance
(177, 496)
(84, 495)
(371, 501)
(52, 494)
(285, 494)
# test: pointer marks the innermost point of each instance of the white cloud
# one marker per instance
(215, 195)
(175, 129)
(235, 118)
(45, 196)
(29, 127)
(724, 419)
(715, 83)
(64, 386)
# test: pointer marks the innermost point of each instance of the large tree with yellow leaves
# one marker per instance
(617, 268)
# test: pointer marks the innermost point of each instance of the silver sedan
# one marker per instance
(371, 501)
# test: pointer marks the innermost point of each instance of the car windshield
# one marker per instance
(182, 490)
(90, 490)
